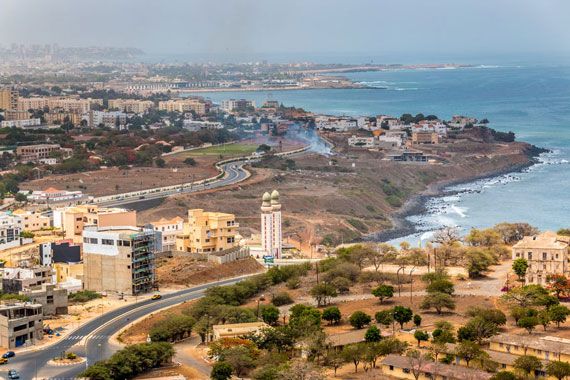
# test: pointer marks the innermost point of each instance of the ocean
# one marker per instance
(532, 101)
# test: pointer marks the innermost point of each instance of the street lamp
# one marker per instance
(411, 284)
(399, 282)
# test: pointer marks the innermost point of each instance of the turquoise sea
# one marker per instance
(532, 101)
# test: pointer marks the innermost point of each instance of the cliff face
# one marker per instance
(355, 192)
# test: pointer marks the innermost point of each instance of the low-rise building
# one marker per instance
(402, 367)
(35, 153)
(10, 229)
(120, 259)
(197, 125)
(16, 115)
(361, 141)
(59, 117)
(544, 347)
(109, 119)
(336, 123)
(21, 123)
(69, 275)
(425, 137)
(53, 195)
(198, 105)
(546, 254)
(32, 220)
(237, 105)
(59, 252)
(408, 156)
(15, 280)
(53, 299)
(131, 105)
(234, 330)
(20, 324)
(229, 255)
(169, 229)
(207, 232)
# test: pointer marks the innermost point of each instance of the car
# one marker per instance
(13, 374)
(156, 297)
(3, 360)
(9, 354)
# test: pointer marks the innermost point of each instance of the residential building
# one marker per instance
(120, 259)
(15, 280)
(408, 156)
(21, 123)
(16, 115)
(169, 228)
(67, 104)
(53, 195)
(402, 367)
(207, 232)
(32, 220)
(460, 121)
(338, 124)
(391, 140)
(234, 330)
(546, 254)
(198, 105)
(10, 229)
(109, 119)
(131, 105)
(36, 153)
(59, 252)
(58, 117)
(196, 125)
(8, 99)
(271, 225)
(53, 299)
(237, 105)
(425, 137)
(20, 324)
(361, 141)
(73, 220)
(431, 126)
(543, 347)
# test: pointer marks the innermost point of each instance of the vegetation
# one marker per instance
(359, 319)
(83, 296)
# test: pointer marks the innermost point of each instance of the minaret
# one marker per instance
(266, 224)
(277, 232)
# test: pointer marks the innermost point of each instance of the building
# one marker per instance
(271, 225)
(36, 153)
(59, 252)
(234, 330)
(21, 123)
(32, 220)
(169, 229)
(67, 104)
(10, 229)
(73, 220)
(460, 121)
(15, 280)
(546, 254)
(237, 105)
(425, 137)
(53, 299)
(131, 105)
(207, 232)
(408, 156)
(109, 119)
(196, 125)
(52, 195)
(8, 99)
(20, 324)
(361, 142)
(119, 259)
(402, 367)
(58, 117)
(69, 275)
(198, 105)
(338, 124)
(16, 115)
(544, 347)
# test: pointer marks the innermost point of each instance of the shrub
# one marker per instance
(282, 298)
(270, 314)
(332, 315)
(293, 283)
(221, 371)
(83, 296)
(372, 334)
(172, 329)
(341, 284)
(190, 161)
(359, 319)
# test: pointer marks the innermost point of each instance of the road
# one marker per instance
(92, 340)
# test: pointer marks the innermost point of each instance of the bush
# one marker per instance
(282, 298)
(270, 314)
(293, 283)
(359, 319)
(172, 329)
(341, 284)
(342, 269)
(83, 296)
(332, 315)
(71, 356)
(221, 371)
(190, 161)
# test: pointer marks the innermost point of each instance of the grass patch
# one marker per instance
(358, 224)
(237, 149)
(83, 296)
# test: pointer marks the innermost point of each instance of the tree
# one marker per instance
(544, 318)
(527, 364)
(443, 332)
(520, 266)
(481, 329)
(383, 292)
(160, 162)
(483, 238)
(354, 353)
(559, 284)
(504, 375)
(528, 323)
(495, 316)
(333, 359)
(530, 295)
(322, 293)
(438, 301)
(240, 358)
(221, 371)
(359, 319)
(384, 317)
(518, 312)
(416, 362)
(558, 369)
(20, 197)
(420, 336)
(558, 314)
(332, 315)
(270, 314)
(417, 320)
(190, 161)
(402, 315)
(468, 351)
(372, 334)
(513, 232)
(441, 286)
(341, 284)
(383, 253)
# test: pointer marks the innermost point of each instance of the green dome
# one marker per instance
(275, 195)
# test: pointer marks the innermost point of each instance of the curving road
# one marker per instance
(92, 340)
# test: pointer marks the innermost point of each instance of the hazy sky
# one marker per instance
(374, 28)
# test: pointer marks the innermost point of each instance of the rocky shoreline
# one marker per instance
(416, 205)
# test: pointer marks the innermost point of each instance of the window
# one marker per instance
(86, 240)
(543, 255)
(107, 242)
(530, 255)
(391, 368)
(93, 241)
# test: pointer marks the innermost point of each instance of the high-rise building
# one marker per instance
(207, 232)
(271, 229)
(8, 99)
(120, 259)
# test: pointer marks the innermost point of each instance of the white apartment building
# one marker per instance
(169, 228)
(131, 105)
(339, 124)
(430, 126)
(199, 106)
(10, 229)
(361, 142)
(110, 119)
(271, 225)
(21, 123)
(231, 105)
(196, 125)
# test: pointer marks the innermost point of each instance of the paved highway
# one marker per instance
(92, 340)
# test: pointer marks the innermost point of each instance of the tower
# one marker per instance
(271, 233)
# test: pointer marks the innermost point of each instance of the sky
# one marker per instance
(368, 30)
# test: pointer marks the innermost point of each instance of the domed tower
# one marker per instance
(277, 230)
(271, 234)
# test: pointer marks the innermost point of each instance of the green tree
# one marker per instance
(190, 161)
(359, 319)
(443, 332)
(384, 317)
(495, 316)
(530, 295)
(372, 334)
(420, 336)
(354, 353)
(270, 314)
(438, 301)
(441, 286)
(402, 315)
(240, 359)
(383, 292)
(417, 320)
(221, 371)
(558, 369)
(481, 329)
(528, 323)
(544, 318)
(527, 364)
(558, 314)
(520, 266)
(332, 315)
(468, 351)
(504, 375)
(333, 359)
(322, 293)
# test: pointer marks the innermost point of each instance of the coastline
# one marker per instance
(416, 205)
